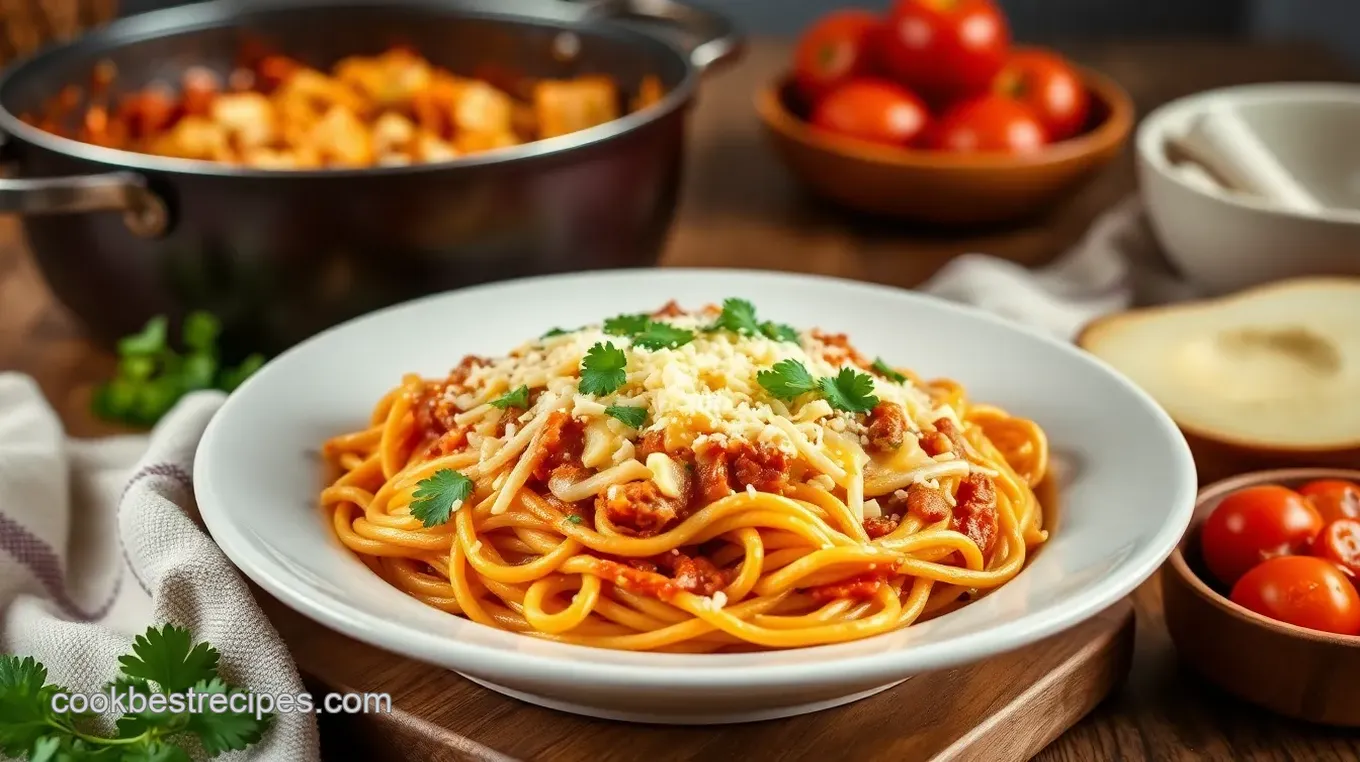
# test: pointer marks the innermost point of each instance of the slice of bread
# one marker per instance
(1275, 368)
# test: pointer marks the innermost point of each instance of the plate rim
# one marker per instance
(690, 670)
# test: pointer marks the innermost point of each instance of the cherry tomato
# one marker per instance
(1254, 524)
(834, 50)
(1050, 87)
(945, 49)
(871, 109)
(1301, 590)
(1333, 498)
(989, 123)
(1339, 542)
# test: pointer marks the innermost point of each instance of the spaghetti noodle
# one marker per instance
(688, 482)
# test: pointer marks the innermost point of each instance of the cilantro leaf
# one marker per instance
(602, 370)
(198, 371)
(225, 731)
(632, 417)
(25, 705)
(169, 658)
(45, 749)
(885, 370)
(156, 751)
(439, 495)
(738, 316)
(574, 519)
(150, 341)
(662, 336)
(200, 331)
(779, 332)
(786, 380)
(849, 390)
(513, 398)
(558, 332)
(627, 325)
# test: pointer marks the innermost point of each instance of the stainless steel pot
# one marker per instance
(122, 237)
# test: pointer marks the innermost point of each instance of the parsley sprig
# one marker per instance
(848, 390)
(602, 369)
(439, 496)
(163, 661)
(152, 376)
(739, 316)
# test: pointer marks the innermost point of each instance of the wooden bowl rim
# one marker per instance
(1218, 490)
(1262, 447)
(1109, 133)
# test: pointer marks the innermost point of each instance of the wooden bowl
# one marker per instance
(941, 187)
(1297, 672)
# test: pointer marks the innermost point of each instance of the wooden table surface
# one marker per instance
(741, 209)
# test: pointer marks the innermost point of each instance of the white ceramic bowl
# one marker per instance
(1127, 489)
(1226, 242)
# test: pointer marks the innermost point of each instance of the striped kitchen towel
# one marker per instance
(101, 539)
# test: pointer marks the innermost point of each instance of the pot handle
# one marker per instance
(144, 212)
(717, 38)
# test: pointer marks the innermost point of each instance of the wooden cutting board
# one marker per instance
(1007, 708)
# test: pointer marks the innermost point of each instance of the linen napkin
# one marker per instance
(1117, 265)
(101, 539)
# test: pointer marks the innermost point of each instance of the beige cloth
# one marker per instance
(101, 539)
(1117, 265)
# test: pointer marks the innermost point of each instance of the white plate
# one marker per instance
(1127, 489)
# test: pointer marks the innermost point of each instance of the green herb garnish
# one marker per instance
(574, 519)
(558, 332)
(787, 380)
(738, 316)
(779, 331)
(152, 376)
(627, 325)
(602, 370)
(439, 496)
(632, 417)
(662, 336)
(163, 661)
(514, 398)
(885, 370)
(849, 390)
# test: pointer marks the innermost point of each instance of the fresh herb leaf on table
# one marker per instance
(163, 660)
(152, 376)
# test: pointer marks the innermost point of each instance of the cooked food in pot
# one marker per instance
(395, 108)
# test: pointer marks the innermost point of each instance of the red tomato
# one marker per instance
(1333, 498)
(871, 109)
(1303, 591)
(1254, 524)
(1339, 542)
(834, 50)
(989, 123)
(945, 49)
(1050, 87)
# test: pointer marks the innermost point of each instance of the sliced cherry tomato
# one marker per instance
(945, 49)
(834, 50)
(1339, 542)
(1254, 524)
(871, 109)
(989, 123)
(1333, 498)
(1050, 87)
(1301, 590)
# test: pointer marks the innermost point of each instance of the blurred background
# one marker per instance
(1335, 23)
